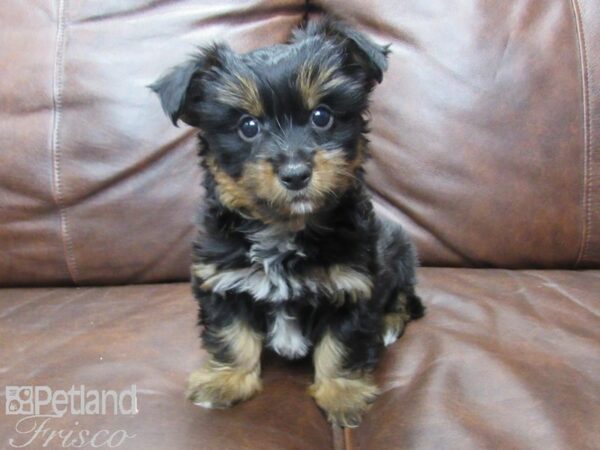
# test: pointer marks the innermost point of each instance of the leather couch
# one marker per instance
(486, 147)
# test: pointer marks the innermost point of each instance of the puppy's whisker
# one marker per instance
(349, 174)
(279, 124)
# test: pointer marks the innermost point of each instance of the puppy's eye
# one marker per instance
(322, 118)
(248, 128)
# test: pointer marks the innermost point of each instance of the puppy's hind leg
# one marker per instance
(402, 307)
(396, 281)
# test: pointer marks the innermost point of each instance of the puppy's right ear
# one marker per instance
(181, 87)
(358, 48)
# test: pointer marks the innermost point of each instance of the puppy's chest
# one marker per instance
(276, 251)
(277, 256)
(283, 266)
(293, 267)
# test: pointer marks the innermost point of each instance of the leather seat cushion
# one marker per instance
(503, 359)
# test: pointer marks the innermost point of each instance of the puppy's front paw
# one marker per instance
(210, 388)
(344, 400)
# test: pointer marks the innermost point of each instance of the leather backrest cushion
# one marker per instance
(486, 138)
(484, 131)
(96, 185)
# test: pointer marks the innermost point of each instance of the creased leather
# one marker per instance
(478, 129)
(503, 359)
(96, 185)
(114, 337)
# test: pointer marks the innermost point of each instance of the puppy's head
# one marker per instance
(282, 126)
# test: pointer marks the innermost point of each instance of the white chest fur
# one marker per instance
(285, 336)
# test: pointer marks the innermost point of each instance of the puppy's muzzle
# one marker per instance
(295, 176)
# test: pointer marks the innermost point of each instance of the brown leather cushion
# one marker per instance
(112, 338)
(96, 185)
(485, 131)
(502, 360)
(486, 128)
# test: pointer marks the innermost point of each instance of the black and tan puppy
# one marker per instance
(290, 254)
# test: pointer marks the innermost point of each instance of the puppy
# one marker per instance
(290, 254)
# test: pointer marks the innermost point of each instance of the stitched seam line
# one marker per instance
(57, 188)
(347, 440)
(587, 188)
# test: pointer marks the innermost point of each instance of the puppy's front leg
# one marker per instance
(343, 387)
(232, 373)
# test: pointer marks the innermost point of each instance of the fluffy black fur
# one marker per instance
(286, 240)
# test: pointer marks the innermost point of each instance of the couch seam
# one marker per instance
(347, 433)
(587, 187)
(57, 181)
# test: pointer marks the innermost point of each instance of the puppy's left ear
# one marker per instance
(360, 50)
(181, 87)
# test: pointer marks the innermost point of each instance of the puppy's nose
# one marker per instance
(295, 176)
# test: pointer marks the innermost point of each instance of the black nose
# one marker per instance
(295, 176)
